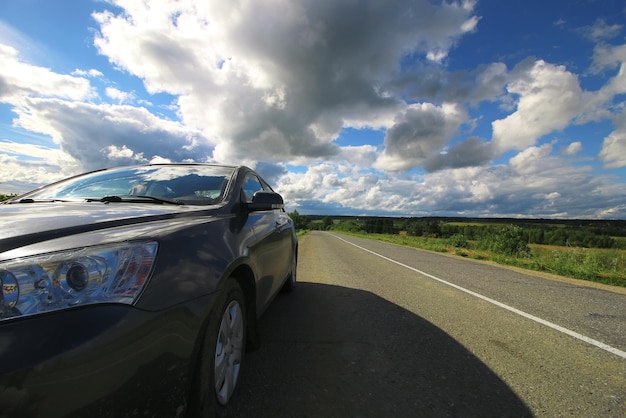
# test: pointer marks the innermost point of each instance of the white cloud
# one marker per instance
(29, 150)
(281, 84)
(608, 56)
(83, 130)
(549, 98)
(600, 30)
(436, 56)
(118, 95)
(573, 148)
(524, 162)
(27, 166)
(19, 80)
(87, 73)
(535, 183)
(613, 152)
(122, 153)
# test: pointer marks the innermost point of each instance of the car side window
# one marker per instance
(251, 185)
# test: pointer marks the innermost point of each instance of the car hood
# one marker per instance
(26, 223)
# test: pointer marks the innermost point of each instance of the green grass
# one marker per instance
(596, 265)
(604, 266)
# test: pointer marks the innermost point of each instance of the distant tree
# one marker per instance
(315, 226)
(6, 196)
(556, 237)
(379, 226)
(415, 228)
(299, 221)
(472, 232)
(447, 230)
(508, 240)
(388, 226)
(536, 235)
(432, 230)
(370, 226)
(349, 225)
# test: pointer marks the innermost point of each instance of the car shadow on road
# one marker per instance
(332, 351)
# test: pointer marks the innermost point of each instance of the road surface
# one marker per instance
(375, 329)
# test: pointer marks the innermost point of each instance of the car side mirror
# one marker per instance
(264, 200)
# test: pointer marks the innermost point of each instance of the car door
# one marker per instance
(268, 254)
(284, 228)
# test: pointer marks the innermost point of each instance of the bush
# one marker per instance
(300, 222)
(348, 226)
(458, 241)
(509, 240)
(6, 196)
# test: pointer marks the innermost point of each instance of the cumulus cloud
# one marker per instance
(281, 84)
(471, 152)
(549, 97)
(418, 134)
(26, 166)
(524, 162)
(91, 133)
(534, 183)
(613, 152)
(487, 82)
(573, 148)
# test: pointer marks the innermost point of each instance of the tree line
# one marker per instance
(579, 236)
(575, 233)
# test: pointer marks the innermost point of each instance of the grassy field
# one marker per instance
(597, 265)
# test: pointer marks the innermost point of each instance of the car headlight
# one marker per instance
(49, 282)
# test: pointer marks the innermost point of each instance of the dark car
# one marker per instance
(136, 291)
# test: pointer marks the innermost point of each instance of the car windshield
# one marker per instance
(187, 184)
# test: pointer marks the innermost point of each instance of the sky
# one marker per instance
(472, 108)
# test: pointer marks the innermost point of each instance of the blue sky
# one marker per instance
(393, 108)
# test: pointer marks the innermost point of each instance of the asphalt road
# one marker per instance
(376, 330)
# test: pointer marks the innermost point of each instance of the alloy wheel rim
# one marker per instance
(228, 352)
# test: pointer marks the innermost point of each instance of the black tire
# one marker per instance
(290, 283)
(222, 355)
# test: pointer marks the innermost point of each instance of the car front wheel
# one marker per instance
(223, 352)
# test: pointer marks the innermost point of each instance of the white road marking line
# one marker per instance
(541, 321)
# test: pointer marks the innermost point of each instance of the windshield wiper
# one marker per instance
(137, 199)
(30, 200)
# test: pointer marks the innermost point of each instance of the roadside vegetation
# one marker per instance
(587, 250)
(6, 196)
